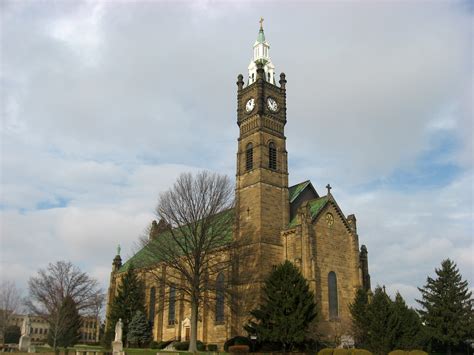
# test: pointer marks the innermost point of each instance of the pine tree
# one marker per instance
(407, 335)
(382, 325)
(288, 308)
(130, 298)
(65, 326)
(139, 332)
(358, 311)
(447, 311)
(12, 334)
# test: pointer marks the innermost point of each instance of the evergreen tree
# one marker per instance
(382, 325)
(360, 322)
(447, 311)
(139, 332)
(288, 308)
(12, 334)
(65, 326)
(130, 298)
(408, 332)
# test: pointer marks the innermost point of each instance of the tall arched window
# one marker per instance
(172, 305)
(272, 156)
(332, 291)
(249, 157)
(151, 310)
(220, 298)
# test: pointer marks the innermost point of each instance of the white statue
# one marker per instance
(118, 330)
(26, 326)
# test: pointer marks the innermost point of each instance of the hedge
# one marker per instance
(330, 351)
(239, 349)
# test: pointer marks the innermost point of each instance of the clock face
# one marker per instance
(272, 104)
(329, 219)
(250, 105)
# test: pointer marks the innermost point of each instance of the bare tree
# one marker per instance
(10, 302)
(48, 290)
(195, 241)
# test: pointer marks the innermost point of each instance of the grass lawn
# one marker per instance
(128, 351)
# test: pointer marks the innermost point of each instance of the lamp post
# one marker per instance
(470, 344)
(253, 339)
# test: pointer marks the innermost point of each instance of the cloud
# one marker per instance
(105, 103)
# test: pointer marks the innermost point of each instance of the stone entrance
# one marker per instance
(186, 329)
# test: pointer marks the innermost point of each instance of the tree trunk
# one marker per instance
(448, 350)
(194, 324)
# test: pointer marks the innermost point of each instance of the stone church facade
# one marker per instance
(275, 222)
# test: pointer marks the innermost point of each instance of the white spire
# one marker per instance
(261, 50)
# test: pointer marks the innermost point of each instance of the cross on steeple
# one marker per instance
(329, 188)
(261, 23)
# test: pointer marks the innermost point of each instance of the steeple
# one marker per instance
(261, 49)
(117, 263)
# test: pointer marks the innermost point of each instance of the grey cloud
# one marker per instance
(107, 102)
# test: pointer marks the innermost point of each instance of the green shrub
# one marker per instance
(330, 351)
(211, 347)
(184, 346)
(268, 346)
(342, 352)
(164, 344)
(154, 345)
(360, 352)
(239, 349)
(181, 345)
(398, 352)
(417, 352)
(403, 352)
(238, 340)
(12, 334)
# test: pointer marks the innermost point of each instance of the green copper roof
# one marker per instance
(315, 206)
(261, 36)
(295, 190)
(146, 256)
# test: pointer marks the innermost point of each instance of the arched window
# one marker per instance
(220, 298)
(332, 291)
(172, 305)
(272, 156)
(249, 157)
(151, 310)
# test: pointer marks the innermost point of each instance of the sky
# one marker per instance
(104, 104)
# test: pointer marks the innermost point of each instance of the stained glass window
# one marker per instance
(332, 289)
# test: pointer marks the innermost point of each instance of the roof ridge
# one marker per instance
(295, 190)
(300, 183)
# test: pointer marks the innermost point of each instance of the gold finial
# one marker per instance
(261, 23)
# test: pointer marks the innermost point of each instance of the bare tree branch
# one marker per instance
(48, 289)
(10, 302)
(197, 242)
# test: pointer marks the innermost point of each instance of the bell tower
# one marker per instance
(262, 202)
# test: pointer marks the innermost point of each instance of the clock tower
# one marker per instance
(262, 203)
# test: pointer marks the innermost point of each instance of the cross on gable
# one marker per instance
(329, 188)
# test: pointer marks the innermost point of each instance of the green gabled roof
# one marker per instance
(295, 190)
(315, 206)
(145, 257)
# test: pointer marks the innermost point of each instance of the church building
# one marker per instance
(278, 222)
